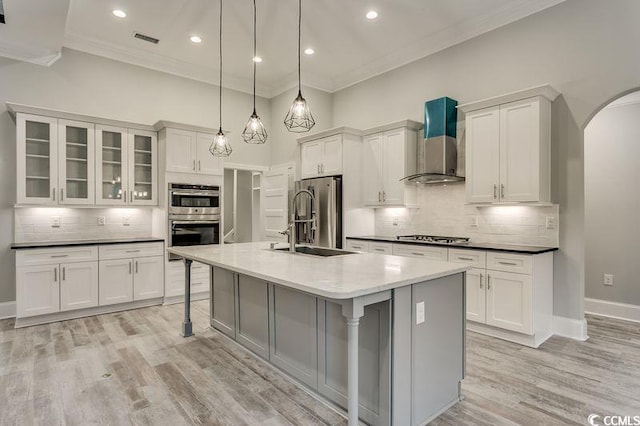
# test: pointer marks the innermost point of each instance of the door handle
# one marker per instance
(133, 251)
(318, 168)
(61, 194)
(480, 280)
(194, 166)
(379, 196)
(124, 199)
(495, 191)
(488, 282)
(502, 190)
(58, 255)
(53, 193)
(199, 165)
(64, 275)
(136, 266)
(508, 263)
(55, 274)
(129, 267)
(415, 253)
(384, 196)
(131, 196)
(466, 258)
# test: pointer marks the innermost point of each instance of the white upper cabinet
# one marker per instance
(508, 148)
(76, 162)
(389, 156)
(321, 157)
(188, 152)
(143, 168)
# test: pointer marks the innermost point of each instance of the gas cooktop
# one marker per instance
(433, 239)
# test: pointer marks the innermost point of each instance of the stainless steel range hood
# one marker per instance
(436, 154)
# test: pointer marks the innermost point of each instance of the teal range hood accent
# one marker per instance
(437, 156)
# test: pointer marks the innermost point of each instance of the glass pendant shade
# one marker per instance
(299, 118)
(220, 146)
(254, 132)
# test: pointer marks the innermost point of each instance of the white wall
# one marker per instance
(612, 203)
(586, 49)
(91, 85)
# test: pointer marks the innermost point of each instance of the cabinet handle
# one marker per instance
(194, 165)
(136, 266)
(133, 251)
(417, 254)
(64, 275)
(508, 263)
(488, 282)
(129, 267)
(124, 199)
(495, 191)
(61, 194)
(58, 255)
(199, 165)
(379, 196)
(55, 274)
(53, 193)
(131, 196)
(378, 249)
(322, 168)
(466, 258)
(318, 168)
(502, 190)
(480, 280)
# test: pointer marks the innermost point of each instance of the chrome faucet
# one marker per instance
(290, 232)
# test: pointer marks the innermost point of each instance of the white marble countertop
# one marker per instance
(337, 277)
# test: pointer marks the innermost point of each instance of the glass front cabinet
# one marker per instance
(62, 162)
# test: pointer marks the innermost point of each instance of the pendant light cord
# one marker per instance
(220, 85)
(299, 35)
(254, 56)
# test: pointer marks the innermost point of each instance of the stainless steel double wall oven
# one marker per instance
(194, 215)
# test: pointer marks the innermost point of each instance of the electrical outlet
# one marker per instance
(395, 221)
(101, 220)
(608, 279)
(419, 313)
(474, 221)
(55, 221)
(125, 220)
(550, 222)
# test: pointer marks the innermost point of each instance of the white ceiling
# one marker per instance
(349, 48)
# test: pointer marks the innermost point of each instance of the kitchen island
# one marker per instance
(381, 335)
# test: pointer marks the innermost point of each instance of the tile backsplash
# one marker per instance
(442, 211)
(39, 223)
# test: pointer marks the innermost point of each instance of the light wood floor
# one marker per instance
(134, 368)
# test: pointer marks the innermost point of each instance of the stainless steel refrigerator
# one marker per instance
(327, 207)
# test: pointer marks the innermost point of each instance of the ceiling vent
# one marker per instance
(146, 38)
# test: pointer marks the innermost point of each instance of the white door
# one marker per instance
(116, 281)
(483, 155)
(509, 301)
(332, 156)
(111, 165)
(520, 150)
(393, 167)
(310, 159)
(38, 290)
(372, 163)
(76, 162)
(475, 289)
(37, 155)
(148, 281)
(78, 285)
(181, 151)
(143, 168)
(207, 163)
(276, 202)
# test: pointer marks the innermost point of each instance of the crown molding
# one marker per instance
(31, 54)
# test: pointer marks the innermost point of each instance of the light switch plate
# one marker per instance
(419, 313)
(550, 222)
(125, 220)
(101, 220)
(608, 279)
(55, 221)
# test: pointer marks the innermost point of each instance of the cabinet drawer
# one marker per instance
(425, 252)
(475, 258)
(47, 256)
(123, 251)
(355, 245)
(382, 248)
(509, 262)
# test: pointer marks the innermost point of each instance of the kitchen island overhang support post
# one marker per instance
(187, 327)
(352, 310)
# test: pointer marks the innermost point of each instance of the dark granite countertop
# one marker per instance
(469, 245)
(51, 244)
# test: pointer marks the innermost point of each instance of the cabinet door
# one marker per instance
(475, 289)
(37, 159)
(372, 160)
(331, 156)
(148, 277)
(252, 314)
(143, 168)
(294, 344)
(111, 165)
(76, 165)
(520, 151)
(483, 155)
(509, 301)
(116, 281)
(393, 168)
(181, 151)
(310, 159)
(224, 295)
(37, 290)
(78, 285)
(374, 357)
(207, 164)
(356, 245)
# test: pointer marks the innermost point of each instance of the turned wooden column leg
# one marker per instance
(352, 369)
(187, 328)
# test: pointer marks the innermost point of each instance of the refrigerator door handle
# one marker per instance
(331, 213)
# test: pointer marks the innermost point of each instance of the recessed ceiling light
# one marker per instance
(119, 13)
(372, 14)
(195, 39)
(309, 51)
(257, 59)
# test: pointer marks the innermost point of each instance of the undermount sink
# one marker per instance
(317, 251)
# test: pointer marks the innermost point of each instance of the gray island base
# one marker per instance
(381, 336)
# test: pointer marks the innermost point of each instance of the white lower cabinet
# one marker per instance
(116, 283)
(148, 277)
(78, 285)
(476, 295)
(38, 290)
(509, 301)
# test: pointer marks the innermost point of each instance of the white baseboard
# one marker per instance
(570, 327)
(7, 310)
(612, 309)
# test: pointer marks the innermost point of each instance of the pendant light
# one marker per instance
(220, 146)
(254, 132)
(299, 118)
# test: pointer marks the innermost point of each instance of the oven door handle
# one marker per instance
(189, 222)
(197, 194)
